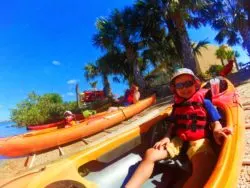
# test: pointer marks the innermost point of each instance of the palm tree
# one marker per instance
(198, 46)
(175, 15)
(231, 18)
(246, 42)
(93, 70)
(221, 54)
(230, 54)
(120, 31)
(93, 85)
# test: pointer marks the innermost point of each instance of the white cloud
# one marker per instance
(57, 63)
(72, 81)
(71, 94)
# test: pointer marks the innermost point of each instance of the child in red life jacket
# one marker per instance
(131, 96)
(191, 112)
(69, 118)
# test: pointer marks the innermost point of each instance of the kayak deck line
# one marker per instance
(86, 142)
(46, 140)
(116, 130)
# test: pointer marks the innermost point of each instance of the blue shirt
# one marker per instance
(211, 110)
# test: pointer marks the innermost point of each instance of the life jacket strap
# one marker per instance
(193, 127)
(187, 103)
(190, 116)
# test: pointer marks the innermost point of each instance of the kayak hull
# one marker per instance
(67, 169)
(34, 142)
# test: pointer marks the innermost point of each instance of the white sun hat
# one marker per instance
(67, 113)
(182, 71)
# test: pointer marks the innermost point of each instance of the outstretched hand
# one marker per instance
(162, 143)
(221, 134)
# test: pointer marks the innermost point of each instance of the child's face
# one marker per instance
(185, 86)
(134, 88)
(69, 118)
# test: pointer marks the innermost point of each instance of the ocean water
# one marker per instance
(8, 129)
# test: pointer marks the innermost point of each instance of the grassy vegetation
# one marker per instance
(36, 109)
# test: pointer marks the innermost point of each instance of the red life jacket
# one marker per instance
(190, 116)
(129, 96)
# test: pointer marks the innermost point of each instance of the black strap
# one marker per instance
(187, 103)
(193, 127)
(190, 116)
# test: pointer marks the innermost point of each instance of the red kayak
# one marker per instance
(55, 124)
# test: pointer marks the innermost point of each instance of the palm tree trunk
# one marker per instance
(137, 76)
(236, 64)
(132, 59)
(174, 32)
(222, 62)
(186, 49)
(106, 89)
(77, 95)
(187, 53)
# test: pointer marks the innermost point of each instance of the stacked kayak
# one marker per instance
(67, 168)
(37, 141)
(78, 117)
(109, 160)
(50, 129)
(99, 106)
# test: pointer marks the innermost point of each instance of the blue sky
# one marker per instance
(45, 45)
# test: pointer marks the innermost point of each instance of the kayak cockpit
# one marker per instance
(114, 168)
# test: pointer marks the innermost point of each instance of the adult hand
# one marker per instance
(221, 134)
(163, 142)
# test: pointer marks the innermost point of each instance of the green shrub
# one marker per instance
(41, 109)
(214, 70)
(204, 76)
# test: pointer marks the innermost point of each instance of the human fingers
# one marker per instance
(227, 130)
(157, 145)
(217, 140)
(222, 134)
(218, 136)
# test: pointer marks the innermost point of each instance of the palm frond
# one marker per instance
(198, 46)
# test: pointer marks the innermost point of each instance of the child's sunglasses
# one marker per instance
(184, 84)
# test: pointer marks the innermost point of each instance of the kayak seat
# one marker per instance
(178, 166)
(116, 174)
(179, 162)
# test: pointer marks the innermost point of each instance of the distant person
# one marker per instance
(131, 96)
(192, 115)
(227, 68)
(69, 118)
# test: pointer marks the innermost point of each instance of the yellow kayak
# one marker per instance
(107, 161)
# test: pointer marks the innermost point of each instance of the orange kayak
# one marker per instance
(67, 168)
(33, 142)
(78, 117)
(43, 131)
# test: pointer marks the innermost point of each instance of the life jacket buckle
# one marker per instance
(193, 117)
(193, 127)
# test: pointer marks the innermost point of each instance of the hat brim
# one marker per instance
(196, 79)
